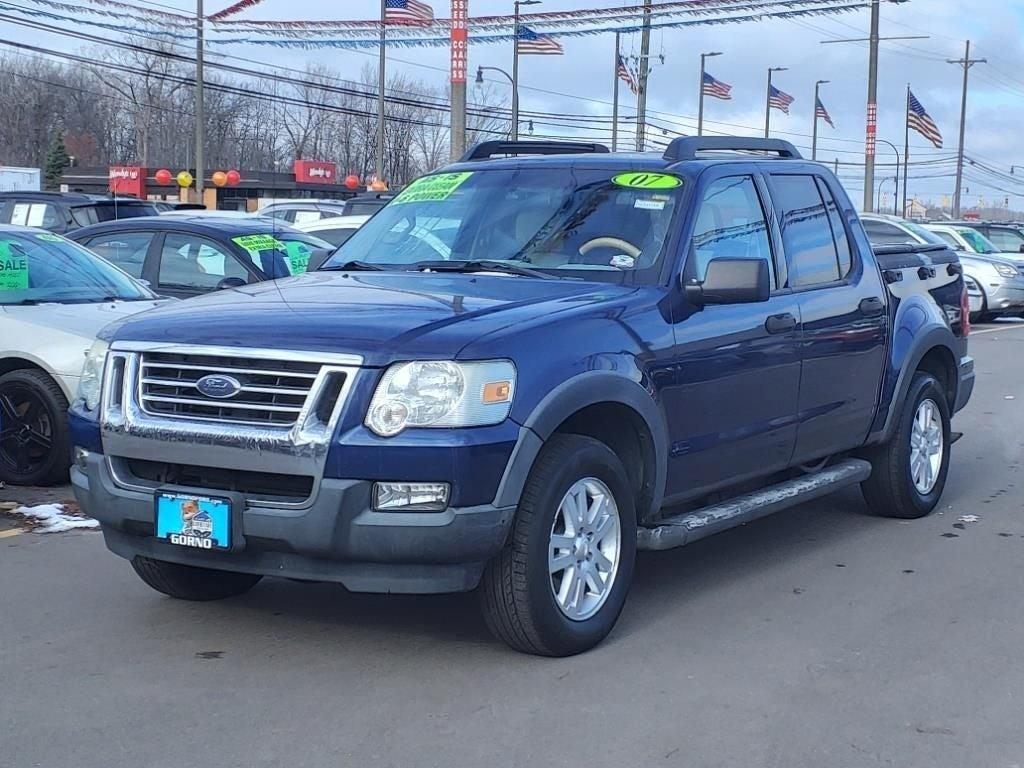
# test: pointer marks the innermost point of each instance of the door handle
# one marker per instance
(783, 323)
(872, 307)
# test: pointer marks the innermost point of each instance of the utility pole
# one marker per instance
(615, 97)
(458, 69)
(768, 100)
(966, 62)
(378, 162)
(814, 133)
(872, 110)
(700, 108)
(644, 68)
(200, 105)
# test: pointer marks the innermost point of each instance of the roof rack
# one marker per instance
(687, 147)
(487, 149)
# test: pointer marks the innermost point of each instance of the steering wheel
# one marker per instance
(610, 242)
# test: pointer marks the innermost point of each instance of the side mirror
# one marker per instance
(230, 282)
(732, 281)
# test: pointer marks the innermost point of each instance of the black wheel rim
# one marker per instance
(26, 430)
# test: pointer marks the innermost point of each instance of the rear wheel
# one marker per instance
(909, 472)
(186, 582)
(35, 446)
(559, 585)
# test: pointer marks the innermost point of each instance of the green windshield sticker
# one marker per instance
(646, 180)
(13, 268)
(298, 257)
(256, 243)
(431, 189)
(49, 237)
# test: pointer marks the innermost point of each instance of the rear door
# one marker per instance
(732, 410)
(190, 264)
(844, 312)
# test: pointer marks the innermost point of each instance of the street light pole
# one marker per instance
(880, 183)
(200, 99)
(700, 108)
(480, 79)
(896, 194)
(768, 100)
(814, 133)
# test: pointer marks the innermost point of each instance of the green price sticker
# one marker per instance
(644, 180)
(432, 189)
(13, 269)
(49, 237)
(297, 255)
(256, 243)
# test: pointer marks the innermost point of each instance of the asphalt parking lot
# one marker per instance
(818, 637)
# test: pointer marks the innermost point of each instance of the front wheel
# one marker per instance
(186, 582)
(909, 472)
(559, 585)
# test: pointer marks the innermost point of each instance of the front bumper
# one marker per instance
(1007, 297)
(338, 537)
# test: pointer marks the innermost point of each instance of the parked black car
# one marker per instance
(185, 256)
(368, 204)
(64, 212)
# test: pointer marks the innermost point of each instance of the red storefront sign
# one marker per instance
(315, 172)
(127, 180)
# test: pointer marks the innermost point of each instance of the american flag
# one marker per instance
(779, 100)
(716, 88)
(921, 121)
(821, 112)
(626, 75)
(528, 41)
(407, 12)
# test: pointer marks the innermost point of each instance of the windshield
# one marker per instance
(562, 221)
(927, 235)
(283, 254)
(42, 267)
(977, 241)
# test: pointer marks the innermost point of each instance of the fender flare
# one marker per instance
(573, 395)
(935, 337)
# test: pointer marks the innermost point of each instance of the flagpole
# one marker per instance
(615, 98)
(814, 134)
(379, 159)
(700, 101)
(768, 105)
(906, 154)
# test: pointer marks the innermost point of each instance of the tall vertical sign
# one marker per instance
(459, 66)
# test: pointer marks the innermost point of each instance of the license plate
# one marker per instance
(199, 522)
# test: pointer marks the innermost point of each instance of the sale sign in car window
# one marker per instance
(13, 267)
(431, 189)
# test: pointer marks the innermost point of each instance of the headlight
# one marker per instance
(1006, 270)
(442, 394)
(90, 386)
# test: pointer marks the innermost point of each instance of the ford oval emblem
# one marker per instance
(219, 386)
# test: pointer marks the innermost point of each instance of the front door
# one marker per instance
(844, 313)
(732, 411)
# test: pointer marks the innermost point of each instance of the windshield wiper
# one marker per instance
(353, 266)
(481, 265)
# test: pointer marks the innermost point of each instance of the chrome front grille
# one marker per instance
(271, 392)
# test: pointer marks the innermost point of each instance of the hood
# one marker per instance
(381, 316)
(80, 320)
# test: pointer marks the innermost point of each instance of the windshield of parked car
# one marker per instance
(604, 223)
(37, 267)
(977, 241)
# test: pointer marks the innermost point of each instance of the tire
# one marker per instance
(518, 590)
(186, 582)
(891, 491)
(35, 446)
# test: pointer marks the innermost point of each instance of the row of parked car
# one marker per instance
(72, 263)
(992, 255)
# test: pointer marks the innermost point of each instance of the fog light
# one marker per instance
(81, 458)
(410, 497)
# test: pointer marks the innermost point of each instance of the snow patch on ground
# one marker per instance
(53, 518)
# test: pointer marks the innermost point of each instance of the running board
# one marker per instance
(686, 529)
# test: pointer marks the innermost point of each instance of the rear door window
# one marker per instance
(811, 250)
(731, 224)
(41, 215)
(844, 254)
(194, 262)
(126, 250)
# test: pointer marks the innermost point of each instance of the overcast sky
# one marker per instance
(581, 81)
